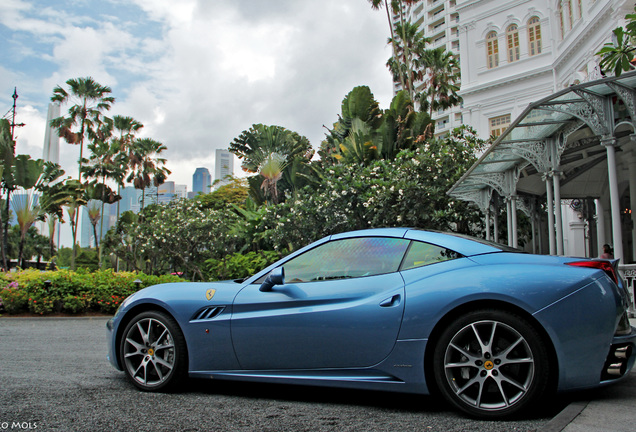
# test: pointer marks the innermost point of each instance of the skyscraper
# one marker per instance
(201, 180)
(223, 167)
(439, 21)
(51, 148)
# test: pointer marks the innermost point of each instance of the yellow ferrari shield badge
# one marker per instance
(210, 293)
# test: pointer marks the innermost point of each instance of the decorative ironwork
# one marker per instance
(535, 152)
(526, 205)
(628, 96)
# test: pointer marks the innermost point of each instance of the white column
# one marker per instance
(632, 200)
(495, 222)
(509, 219)
(576, 241)
(513, 210)
(488, 223)
(539, 231)
(600, 228)
(549, 198)
(617, 235)
(558, 218)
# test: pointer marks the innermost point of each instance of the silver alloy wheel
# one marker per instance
(149, 352)
(489, 365)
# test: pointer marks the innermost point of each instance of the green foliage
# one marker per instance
(178, 236)
(364, 133)
(71, 292)
(235, 192)
(407, 191)
(75, 304)
(616, 56)
(87, 259)
(13, 299)
(271, 152)
(63, 258)
(236, 266)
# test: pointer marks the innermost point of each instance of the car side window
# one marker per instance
(347, 258)
(421, 254)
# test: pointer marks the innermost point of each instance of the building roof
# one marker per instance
(565, 133)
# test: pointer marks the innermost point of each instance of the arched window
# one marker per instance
(570, 13)
(492, 49)
(512, 36)
(534, 36)
(561, 20)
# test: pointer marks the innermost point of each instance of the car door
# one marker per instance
(341, 307)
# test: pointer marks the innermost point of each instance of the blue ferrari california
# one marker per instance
(397, 309)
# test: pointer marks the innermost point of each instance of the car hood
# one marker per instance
(182, 299)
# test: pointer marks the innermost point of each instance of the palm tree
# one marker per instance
(267, 151)
(6, 163)
(377, 5)
(94, 215)
(27, 212)
(89, 99)
(146, 167)
(108, 161)
(272, 171)
(442, 80)
(411, 46)
(403, 64)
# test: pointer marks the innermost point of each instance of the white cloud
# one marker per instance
(198, 73)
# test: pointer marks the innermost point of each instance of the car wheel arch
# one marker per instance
(131, 314)
(458, 311)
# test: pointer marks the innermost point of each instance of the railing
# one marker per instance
(628, 272)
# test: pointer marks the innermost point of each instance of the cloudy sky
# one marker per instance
(195, 73)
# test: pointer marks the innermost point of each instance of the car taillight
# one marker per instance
(606, 266)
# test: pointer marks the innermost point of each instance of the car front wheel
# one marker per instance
(153, 351)
(491, 363)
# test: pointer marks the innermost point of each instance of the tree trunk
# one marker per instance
(95, 235)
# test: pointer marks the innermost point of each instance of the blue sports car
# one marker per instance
(397, 309)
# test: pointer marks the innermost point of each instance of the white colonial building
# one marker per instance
(517, 52)
(564, 133)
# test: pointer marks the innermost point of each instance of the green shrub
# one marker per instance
(72, 292)
(14, 299)
(75, 303)
(41, 305)
(238, 265)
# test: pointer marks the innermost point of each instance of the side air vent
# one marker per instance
(208, 313)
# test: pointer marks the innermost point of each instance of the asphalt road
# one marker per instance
(54, 376)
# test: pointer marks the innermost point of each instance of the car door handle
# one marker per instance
(391, 301)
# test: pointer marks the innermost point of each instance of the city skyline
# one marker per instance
(185, 73)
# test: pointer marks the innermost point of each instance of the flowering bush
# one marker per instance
(407, 189)
(72, 292)
(14, 300)
(75, 303)
(40, 305)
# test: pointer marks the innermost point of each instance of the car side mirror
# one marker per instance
(275, 277)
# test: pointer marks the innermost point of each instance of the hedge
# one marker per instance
(65, 291)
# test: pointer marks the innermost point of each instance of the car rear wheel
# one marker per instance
(491, 363)
(153, 352)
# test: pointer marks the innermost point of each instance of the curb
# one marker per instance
(565, 417)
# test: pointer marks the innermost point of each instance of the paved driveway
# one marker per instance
(54, 376)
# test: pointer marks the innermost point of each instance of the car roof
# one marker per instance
(462, 244)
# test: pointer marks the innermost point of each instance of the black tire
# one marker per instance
(153, 352)
(491, 364)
